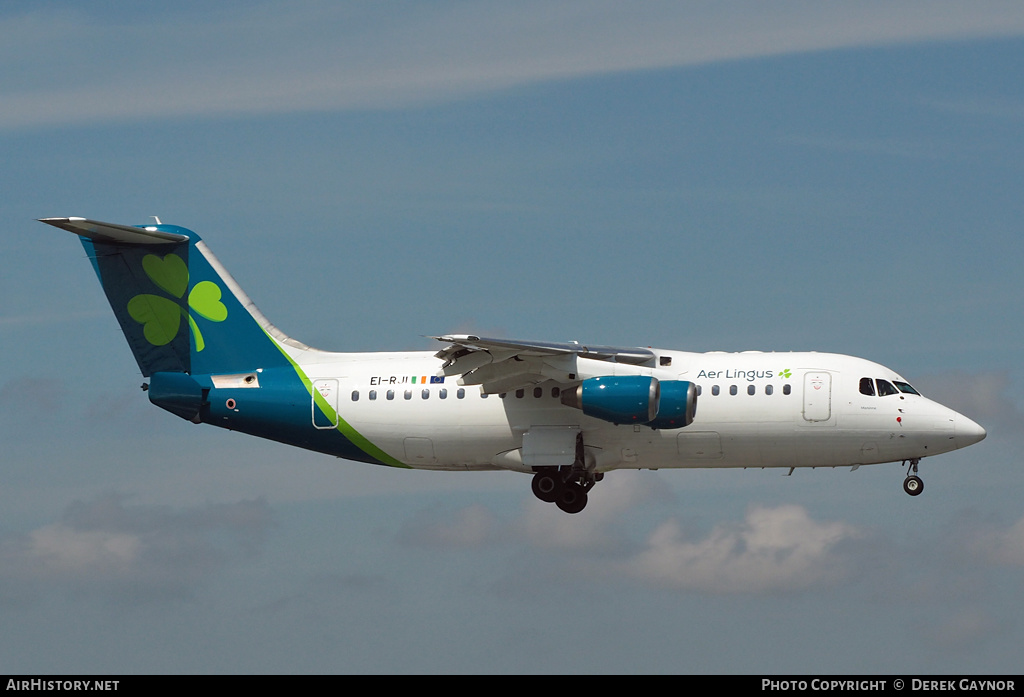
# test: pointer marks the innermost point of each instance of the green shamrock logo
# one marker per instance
(786, 374)
(160, 316)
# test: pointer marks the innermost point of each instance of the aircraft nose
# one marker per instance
(966, 432)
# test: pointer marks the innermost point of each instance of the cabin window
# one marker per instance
(538, 391)
(885, 388)
(425, 394)
(442, 393)
(503, 395)
(733, 390)
(751, 389)
(460, 393)
(867, 387)
(555, 391)
(483, 395)
(520, 393)
(699, 390)
(373, 395)
(714, 390)
(904, 387)
(769, 389)
(355, 395)
(408, 394)
(786, 389)
(390, 394)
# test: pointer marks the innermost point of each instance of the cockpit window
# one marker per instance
(885, 388)
(905, 388)
(867, 386)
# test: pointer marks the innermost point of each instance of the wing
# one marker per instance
(502, 365)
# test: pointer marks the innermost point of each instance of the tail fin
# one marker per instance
(178, 307)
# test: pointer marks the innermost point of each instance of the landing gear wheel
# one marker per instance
(572, 498)
(566, 486)
(913, 485)
(546, 486)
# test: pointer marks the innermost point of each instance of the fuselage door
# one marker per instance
(817, 396)
(325, 403)
(419, 451)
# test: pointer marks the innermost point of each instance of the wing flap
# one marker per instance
(633, 356)
(501, 365)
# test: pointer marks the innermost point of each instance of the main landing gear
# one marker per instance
(566, 487)
(913, 484)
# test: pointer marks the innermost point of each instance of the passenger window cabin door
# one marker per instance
(325, 403)
(817, 396)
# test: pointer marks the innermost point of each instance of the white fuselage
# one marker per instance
(565, 412)
(753, 410)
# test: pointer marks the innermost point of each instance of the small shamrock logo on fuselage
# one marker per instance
(160, 316)
(786, 374)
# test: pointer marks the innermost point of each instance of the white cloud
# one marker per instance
(773, 549)
(108, 545)
(595, 528)
(63, 549)
(69, 66)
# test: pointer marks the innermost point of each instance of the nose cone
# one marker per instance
(966, 432)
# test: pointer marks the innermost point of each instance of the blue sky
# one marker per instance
(701, 176)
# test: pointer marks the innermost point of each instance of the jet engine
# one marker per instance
(621, 399)
(678, 404)
(635, 399)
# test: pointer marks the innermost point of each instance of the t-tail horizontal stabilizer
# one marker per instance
(115, 234)
(179, 309)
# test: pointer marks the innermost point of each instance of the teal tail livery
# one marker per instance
(198, 337)
(178, 308)
(565, 413)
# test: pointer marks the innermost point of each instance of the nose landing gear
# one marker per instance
(913, 484)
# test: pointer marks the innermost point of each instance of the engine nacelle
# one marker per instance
(678, 404)
(621, 399)
(635, 399)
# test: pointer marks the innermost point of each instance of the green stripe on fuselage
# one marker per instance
(346, 429)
